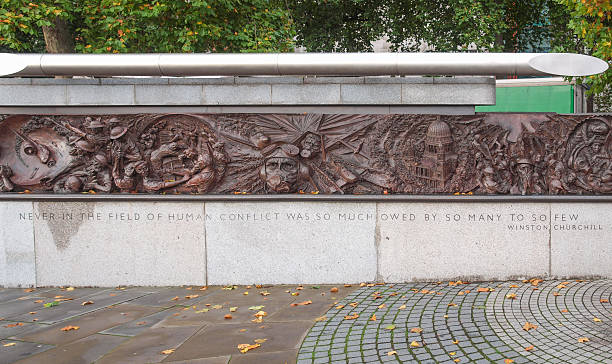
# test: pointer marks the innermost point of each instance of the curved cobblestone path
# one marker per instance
(467, 323)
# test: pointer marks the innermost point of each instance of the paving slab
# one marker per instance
(219, 340)
(148, 346)
(74, 308)
(286, 356)
(137, 326)
(21, 350)
(88, 324)
(172, 296)
(10, 329)
(84, 351)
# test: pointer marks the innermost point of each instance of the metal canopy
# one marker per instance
(281, 64)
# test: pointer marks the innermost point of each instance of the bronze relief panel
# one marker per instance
(520, 154)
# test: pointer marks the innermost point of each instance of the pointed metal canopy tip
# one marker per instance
(10, 63)
(568, 64)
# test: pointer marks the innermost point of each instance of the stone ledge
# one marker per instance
(256, 91)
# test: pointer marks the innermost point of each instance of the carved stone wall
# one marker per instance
(309, 153)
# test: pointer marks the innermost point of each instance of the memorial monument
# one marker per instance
(285, 179)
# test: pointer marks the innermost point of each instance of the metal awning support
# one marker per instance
(281, 64)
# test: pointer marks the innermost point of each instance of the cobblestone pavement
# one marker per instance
(467, 323)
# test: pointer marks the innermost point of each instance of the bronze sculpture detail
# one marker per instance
(310, 153)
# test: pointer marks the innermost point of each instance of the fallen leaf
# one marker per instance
(256, 308)
(257, 320)
(242, 330)
(604, 300)
(457, 360)
(233, 309)
(204, 288)
(373, 318)
(556, 294)
(347, 285)
(564, 310)
(39, 301)
(29, 290)
(261, 314)
(299, 288)
(535, 281)
(382, 306)
(416, 330)
(390, 327)
(51, 304)
(246, 347)
(175, 298)
(528, 326)
(301, 303)
(339, 307)
(513, 286)
(596, 319)
(227, 317)
(362, 284)
(295, 293)
(9, 344)
(168, 351)
(391, 353)
(402, 307)
(351, 317)
(14, 325)
(508, 361)
(456, 342)
(452, 304)
(68, 328)
(511, 296)
(529, 348)
(452, 353)
(485, 289)
(415, 344)
(216, 307)
(322, 318)
(353, 304)
(561, 286)
(583, 340)
(87, 303)
(69, 289)
(203, 310)
(264, 293)
(246, 293)
(260, 341)
(192, 296)
(334, 290)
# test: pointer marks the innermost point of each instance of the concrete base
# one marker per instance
(176, 243)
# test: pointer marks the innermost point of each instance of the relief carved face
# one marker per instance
(280, 174)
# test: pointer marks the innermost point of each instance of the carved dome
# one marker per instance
(438, 130)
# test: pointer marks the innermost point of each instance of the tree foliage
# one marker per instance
(101, 26)
(590, 21)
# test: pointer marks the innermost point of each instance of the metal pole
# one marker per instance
(280, 64)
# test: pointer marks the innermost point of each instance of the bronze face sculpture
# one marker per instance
(277, 153)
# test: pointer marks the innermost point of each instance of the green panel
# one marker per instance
(559, 99)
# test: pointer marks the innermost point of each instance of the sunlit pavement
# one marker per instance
(502, 322)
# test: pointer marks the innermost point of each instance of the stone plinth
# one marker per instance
(122, 242)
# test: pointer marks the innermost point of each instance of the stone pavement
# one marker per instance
(501, 322)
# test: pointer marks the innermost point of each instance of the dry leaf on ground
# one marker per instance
(508, 361)
(391, 353)
(260, 341)
(227, 317)
(416, 330)
(528, 326)
(167, 351)
(583, 340)
(334, 290)
(301, 303)
(322, 318)
(415, 344)
(511, 296)
(373, 318)
(246, 347)
(87, 303)
(9, 344)
(529, 348)
(351, 317)
(69, 327)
